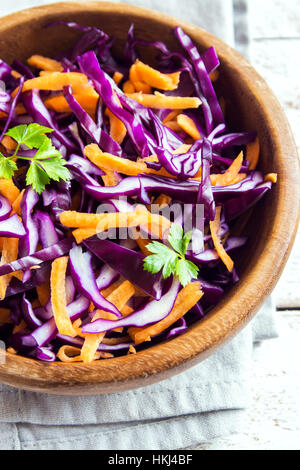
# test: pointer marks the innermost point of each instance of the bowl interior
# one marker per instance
(249, 106)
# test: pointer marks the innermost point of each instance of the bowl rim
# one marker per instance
(169, 358)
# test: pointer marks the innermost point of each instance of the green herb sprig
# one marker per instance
(47, 163)
(172, 261)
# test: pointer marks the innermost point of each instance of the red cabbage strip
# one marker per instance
(209, 98)
(12, 108)
(47, 254)
(5, 99)
(237, 206)
(205, 195)
(152, 312)
(47, 332)
(230, 140)
(47, 232)
(128, 263)
(89, 65)
(38, 277)
(5, 207)
(22, 69)
(106, 278)
(40, 114)
(29, 243)
(29, 315)
(178, 330)
(85, 282)
(43, 354)
(95, 132)
(12, 227)
(210, 255)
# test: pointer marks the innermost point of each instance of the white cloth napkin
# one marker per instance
(193, 407)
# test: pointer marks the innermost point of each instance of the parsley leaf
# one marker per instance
(172, 261)
(47, 163)
(7, 167)
(31, 135)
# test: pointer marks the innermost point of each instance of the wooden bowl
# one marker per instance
(272, 228)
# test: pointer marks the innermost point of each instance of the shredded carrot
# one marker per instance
(172, 115)
(72, 354)
(119, 297)
(273, 177)
(230, 175)
(252, 154)
(9, 190)
(128, 87)
(105, 220)
(11, 351)
(110, 178)
(114, 341)
(19, 328)
(186, 299)
(214, 230)
(87, 98)
(16, 205)
(154, 78)
(81, 234)
(214, 75)
(55, 81)
(108, 163)
(5, 315)
(43, 292)
(163, 201)
(142, 243)
(8, 143)
(44, 63)
(188, 125)
(58, 296)
(132, 350)
(142, 87)
(117, 128)
(118, 77)
(15, 74)
(174, 126)
(160, 101)
(9, 254)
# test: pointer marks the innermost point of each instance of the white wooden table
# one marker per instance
(273, 418)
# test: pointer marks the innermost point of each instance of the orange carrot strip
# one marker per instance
(9, 143)
(55, 81)
(15, 74)
(16, 205)
(214, 75)
(21, 327)
(43, 292)
(142, 87)
(108, 163)
(160, 101)
(273, 177)
(214, 230)
(9, 190)
(186, 299)
(174, 126)
(118, 77)
(114, 341)
(252, 154)
(72, 354)
(44, 63)
(172, 115)
(230, 175)
(163, 200)
(154, 78)
(58, 296)
(118, 130)
(9, 254)
(132, 350)
(142, 243)
(119, 297)
(81, 234)
(114, 219)
(110, 178)
(87, 98)
(5, 315)
(188, 125)
(128, 87)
